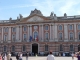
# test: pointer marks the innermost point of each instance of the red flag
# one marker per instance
(37, 38)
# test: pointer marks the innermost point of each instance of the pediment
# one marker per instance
(35, 19)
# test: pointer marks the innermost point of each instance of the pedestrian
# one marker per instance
(50, 56)
(72, 56)
(5, 57)
(17, 56)
(8, 56)
(20, 58)
(77, 55)
(0, 57)
(27, 55)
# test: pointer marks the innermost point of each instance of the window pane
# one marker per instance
(24, 48)
(70, 27)
(79, 35)
(46, 27)
(79, 27)
(13, 48)
(5, 38)
(60, 27)
(60, 36)
(35, 35)
(46, 47)
(14, 29)
(25, 36)
(46, 35)
(71, 48)
(71, 36)
(13, 37)
(61, 48)
(5, 48)
(25, 28)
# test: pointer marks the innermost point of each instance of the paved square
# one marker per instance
(44, 58)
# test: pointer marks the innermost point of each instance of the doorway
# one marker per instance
(35, 48)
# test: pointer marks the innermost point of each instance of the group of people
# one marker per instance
(51, 56)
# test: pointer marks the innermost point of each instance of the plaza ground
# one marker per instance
(44, 58)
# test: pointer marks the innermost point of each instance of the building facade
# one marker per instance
(40, 34)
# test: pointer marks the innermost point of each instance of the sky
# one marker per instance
(12, 8)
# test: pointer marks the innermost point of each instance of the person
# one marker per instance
(27, 55)
(5, 57)
(72, 56)
(77, 55)
(20, 56)
(9, 56)
(0, 57)
(17, 56)
(50, 56)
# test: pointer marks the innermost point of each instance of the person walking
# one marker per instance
(5, 57)
(27, 55)
(0, 57)
(17, 56)
(9, 56)
(50, 56)
(77, 55)
(72, 56)
(20, 58)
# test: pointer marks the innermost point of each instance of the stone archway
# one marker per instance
(35, 48)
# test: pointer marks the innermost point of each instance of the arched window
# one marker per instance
(5, 48)
(60, 27)
(61, 47)
(13, 48)
(23, 48)
(71, 36)
(79, 36)
(60, 36)
(79, 27)
(71, 48)
(46, 47)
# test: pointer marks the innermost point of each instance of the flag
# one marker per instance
(37, 38)
(30, 39)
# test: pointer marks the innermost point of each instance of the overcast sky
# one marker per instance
(12, 8)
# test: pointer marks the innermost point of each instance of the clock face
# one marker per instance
(35, 27)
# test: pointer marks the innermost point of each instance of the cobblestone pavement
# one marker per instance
(44, 58)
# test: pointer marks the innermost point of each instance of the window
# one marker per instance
(71, 48)
(79, 27)
(13, 29)
(79, 36)
(5, 29)
(0, 30)
(46, 27)
(71, 36)
(35, 35)
(61, 48)
(60, 36)
(25, 37)
(60, 27)
(46, 36)
(70, 27)
(13, 37)
(23, 48)
(46, 47)
(24, 28)
(13, 48)
(5, 37)
(5, 48)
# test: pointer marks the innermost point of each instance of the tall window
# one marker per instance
(23, 48)
(71, 48)
(25, 37)
(60, 27)
(0, 30)
(61, 48)
(46, 36)
(70, 27)
(35, 35)
(5, 48)
(46, 27)
(79, 36)
(24, 28)
(13, 29)
(71, 36)
(60, 36)
(13, 48)
(6, 29)
(14, 37)
(79, 27)
(46, 47)
(5, 37)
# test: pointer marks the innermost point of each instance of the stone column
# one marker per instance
(42, 33)
(28, 34)
(30, 30)
(20, 33)
(65, 33)
(2, 33)
(55, 32)
(50, 33)
(17, 33)
(75, 37)
(9, 36)
(53, 27)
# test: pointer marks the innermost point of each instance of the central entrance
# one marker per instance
(35, 48)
